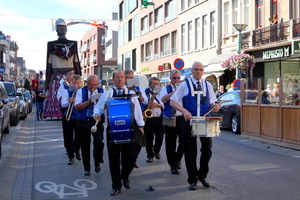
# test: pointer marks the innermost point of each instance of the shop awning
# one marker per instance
(220, 58)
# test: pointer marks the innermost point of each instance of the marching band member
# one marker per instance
(70, 121)
(63, 86)
(172, 131)
(153, 125)
(129, 74)
(123, 150)
(189, 108)
(85, 121)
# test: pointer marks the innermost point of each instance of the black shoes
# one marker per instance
(78, 156)
(97, 168)
(174, 171)
(136, 165)
(71, 161)
(126, 184)
(179, 165)
(87, 173)
(115, 192)
(204, 182)
(150, 160)
(193, 186)
(157, 156)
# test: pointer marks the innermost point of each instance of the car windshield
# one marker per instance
(10, 89)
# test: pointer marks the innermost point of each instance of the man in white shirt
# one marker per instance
(190, 108)
(122, 150)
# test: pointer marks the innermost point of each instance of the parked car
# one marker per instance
(14, 102)
(23, 106)
(28, 97)
(230, 109)
(4, 113)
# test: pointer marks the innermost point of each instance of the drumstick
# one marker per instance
(211, 110)
(94, 128)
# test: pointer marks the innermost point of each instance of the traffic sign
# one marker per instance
(237, 84)
(2, 69)
(178, 63)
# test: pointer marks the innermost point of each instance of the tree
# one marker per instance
(27, 84)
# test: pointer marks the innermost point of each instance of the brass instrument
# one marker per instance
(70, 109)
(148, 112)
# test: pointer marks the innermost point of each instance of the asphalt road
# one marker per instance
(34, 166)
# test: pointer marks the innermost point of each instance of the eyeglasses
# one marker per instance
(175, 77)
(197, 70)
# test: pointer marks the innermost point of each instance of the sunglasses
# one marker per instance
(175, 77)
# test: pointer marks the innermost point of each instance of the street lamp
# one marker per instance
(239, 28)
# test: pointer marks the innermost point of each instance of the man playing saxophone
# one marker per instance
(70, 120)
(153, 125)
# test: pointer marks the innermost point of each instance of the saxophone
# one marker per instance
(148, 112)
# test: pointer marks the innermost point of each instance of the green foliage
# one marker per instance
(27, 84)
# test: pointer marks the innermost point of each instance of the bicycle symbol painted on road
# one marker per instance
(81, 188)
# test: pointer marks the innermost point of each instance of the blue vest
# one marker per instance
(141, 104)
(82, 114)
(189, 102)
(167, 108)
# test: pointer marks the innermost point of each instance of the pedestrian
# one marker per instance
(153, 125)
(71, 136)
(143, 100)
(84, 104)
(120, 154)
(185, 93)
(39, 102)
(63, 86)
(220, 92)
(173, 124)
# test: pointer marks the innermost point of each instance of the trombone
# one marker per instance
(70, 109)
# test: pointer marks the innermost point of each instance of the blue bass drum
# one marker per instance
(120, 119)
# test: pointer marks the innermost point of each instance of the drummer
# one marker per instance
(189, 108)
(117, 151)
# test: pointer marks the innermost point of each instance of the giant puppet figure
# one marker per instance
(62, 57)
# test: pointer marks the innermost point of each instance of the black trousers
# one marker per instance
(172, 133)
(121, 160)
(154, 127)
(85, 143)
(71, 136)
(190, 154)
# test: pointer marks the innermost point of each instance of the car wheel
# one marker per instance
(16, 121)
(7, 128)
(235, 126)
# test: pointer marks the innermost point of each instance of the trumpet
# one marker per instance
(70, 109)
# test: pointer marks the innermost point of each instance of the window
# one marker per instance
(234, 14)
(296, 10)
(158, 17)
(212, 28)
(189, 3)
(136, 26)
(260, 15)
(144, 24)
(170, 10)
(151, 21)
(226, 18)
(130, 30)
(120, 37)
(121, 7)
(174, 42)
(134, 59)
(165, 46)
(204, 31)
(149, 48)
(246, 11)
(125, 33)
(190, 40)
(156, 52)
(142, 53)
(182, 5)
(103, 54)
(197, 34)
(183, 38)
(127, 60)
(120, 62)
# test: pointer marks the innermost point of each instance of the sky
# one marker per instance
(29, 23)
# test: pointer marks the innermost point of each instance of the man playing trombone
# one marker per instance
(70, 120)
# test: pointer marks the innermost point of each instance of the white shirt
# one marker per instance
(138, 115)
(65, 99)
(78, 98)
(164, 92)
(60, 91)
(182, 91)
